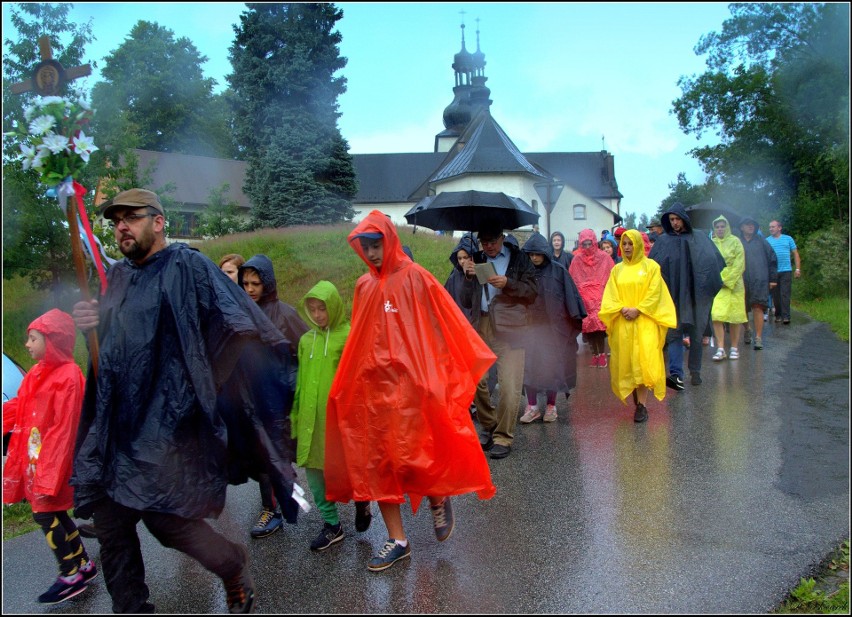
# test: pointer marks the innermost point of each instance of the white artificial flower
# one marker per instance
(42, 125)
(50, 100)
(55, 143)
(28, 112)
(84, 146)
(41, 154)
(27, 155)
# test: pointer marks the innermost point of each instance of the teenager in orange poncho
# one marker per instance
(43, 420)
(637, 310)
(397, 415)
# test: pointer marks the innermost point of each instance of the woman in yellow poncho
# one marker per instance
(729, 303)
(637, 310)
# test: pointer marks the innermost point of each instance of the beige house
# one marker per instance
(472, 152)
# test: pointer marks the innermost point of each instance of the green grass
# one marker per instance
(302, 256)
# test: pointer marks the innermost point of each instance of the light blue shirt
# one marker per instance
(501, 264)
(782, 245)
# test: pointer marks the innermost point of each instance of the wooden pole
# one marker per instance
(82, 279)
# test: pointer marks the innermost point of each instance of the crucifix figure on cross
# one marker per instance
(49, 77)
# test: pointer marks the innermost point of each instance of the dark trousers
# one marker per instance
(63, 539)
(121, 554)
(781, 295)
(674, 350)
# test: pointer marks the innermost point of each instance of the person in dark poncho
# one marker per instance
(257, 277)
(554, 320)
(760, 276)
(557, 249)
(691, 266)
(462, 283)
(153, 441)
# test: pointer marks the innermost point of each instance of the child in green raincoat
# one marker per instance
(320, 349)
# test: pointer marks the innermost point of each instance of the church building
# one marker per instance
(472, 152)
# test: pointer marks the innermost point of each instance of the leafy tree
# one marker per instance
(629, 221)
(285, 57)
(686, 193)
(221, 217)
(154, 96)
(35, 233)
(776, 93)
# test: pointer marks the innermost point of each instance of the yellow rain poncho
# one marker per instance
(729, 303)
(637, 345)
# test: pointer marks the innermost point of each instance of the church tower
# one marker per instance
(470, 94)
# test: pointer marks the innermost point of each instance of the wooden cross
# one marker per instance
(49, 77)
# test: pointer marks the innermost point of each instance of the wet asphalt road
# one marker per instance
(730, 493)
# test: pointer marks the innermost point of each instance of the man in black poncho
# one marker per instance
(155, 442)
(691, 265)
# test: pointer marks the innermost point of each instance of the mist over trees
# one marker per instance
(776, 93)
(284, 58)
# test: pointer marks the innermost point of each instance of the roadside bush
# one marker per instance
(825, 263)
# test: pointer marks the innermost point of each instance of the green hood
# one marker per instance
(327, 292)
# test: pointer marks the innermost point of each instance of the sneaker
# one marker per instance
(550, 413)
(674, 382)
(696, 379)
(363, 516)
(443, 519)
(88, 570)
(777, 319)
(594, 363)
(758, 342)
(240, 592)
(641, 413)
(786, 322)
(531, 414)
(765, 317)
(64, 588)
(389, 554)
(330, 534)
(602, 361)
(734, 354)
(747, 336)
(719, 355)
(268, 523)
(500, 451)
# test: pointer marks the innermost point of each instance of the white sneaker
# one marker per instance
(550, 413)
(531, 414)
(719, 355)
(734, 354)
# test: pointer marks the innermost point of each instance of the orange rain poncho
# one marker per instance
(43, 419)
(398, 419)
(637, 345)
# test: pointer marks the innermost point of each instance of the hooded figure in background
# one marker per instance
(558, 251)
(590, 270)
(691, 265)
(760, 276)
(554, 321)
(461, 286)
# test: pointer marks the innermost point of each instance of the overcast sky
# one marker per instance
(564, 77)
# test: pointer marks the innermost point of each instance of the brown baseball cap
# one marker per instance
(134, 198)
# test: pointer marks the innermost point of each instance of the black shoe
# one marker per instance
(330, 534)
(777, 320)
(500, 451)
(87, 531)
(696, 379)
(363, 516)
(240, 591)
(674, 382)
(486, 441)
(641, 413)
(786, 322)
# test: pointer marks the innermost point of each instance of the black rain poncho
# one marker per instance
(554, 321)
(761, 267)
(153, 434)
(691, 266)
(462, 289)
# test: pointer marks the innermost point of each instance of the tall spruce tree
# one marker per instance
(284, 58)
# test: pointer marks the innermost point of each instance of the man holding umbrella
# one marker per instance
(513, 285)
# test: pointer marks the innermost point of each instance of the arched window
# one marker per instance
(579, 212)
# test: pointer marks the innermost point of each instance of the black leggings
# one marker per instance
(63, 539)
(596, 341)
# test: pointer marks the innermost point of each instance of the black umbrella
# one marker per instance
(703, 214)
(466, 210)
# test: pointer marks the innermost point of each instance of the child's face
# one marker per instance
(317, 311)
(36, 345)
(606, 247)
(252, 284)
(537, 259)
(374, 251)
(230, 268)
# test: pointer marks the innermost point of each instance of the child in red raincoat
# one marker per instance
(43, 420)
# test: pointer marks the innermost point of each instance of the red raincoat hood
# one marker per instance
(59, 334)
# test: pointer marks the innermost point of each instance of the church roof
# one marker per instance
(487, 149)
(591, 173)
(389, 178)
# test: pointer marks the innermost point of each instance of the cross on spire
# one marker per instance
(49, 77)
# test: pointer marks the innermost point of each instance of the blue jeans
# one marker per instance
(674, 350)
